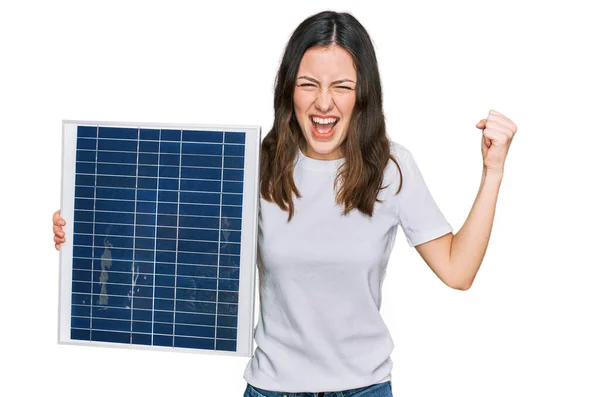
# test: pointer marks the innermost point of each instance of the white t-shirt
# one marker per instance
(319, 326)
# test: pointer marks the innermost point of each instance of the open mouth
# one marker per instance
(324, 125)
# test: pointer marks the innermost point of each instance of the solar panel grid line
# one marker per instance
(190, 247)
(167, 262)
(94, 214)
(86, 214)
(177, 230)
(220, 216)
(155, 242)
(133, 278)
(83, 211)
(166, 226)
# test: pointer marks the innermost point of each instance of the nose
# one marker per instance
(324, 102)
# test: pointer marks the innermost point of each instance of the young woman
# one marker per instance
(333, 191)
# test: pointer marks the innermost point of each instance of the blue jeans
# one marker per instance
(377, 390)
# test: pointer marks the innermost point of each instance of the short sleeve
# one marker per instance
(418, 214)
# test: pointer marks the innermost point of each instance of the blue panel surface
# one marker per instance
(157, 237)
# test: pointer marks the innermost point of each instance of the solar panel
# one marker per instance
(161, 231)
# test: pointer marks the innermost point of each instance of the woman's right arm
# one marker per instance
(59, 235)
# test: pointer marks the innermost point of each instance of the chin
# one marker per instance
(325, 150)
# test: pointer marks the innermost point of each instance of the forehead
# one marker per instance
(331, 62)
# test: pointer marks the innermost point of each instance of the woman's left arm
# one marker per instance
(455, 259)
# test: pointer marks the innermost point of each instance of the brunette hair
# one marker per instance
(366, 148)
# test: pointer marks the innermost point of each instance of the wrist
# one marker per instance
(492, 174)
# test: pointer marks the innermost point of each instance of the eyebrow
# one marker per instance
(333, 82)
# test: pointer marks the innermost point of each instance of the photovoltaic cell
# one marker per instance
(161, 226)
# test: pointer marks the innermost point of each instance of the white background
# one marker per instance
(529, 324)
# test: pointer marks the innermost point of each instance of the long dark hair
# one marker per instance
(366, 148)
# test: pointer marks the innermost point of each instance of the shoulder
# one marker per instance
(403, 157)
(399, 151)
(395, 174)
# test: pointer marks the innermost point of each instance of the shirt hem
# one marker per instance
(314, 389)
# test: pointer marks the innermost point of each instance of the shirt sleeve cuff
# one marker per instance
(428, 235)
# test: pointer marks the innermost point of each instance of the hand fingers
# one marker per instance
(57, 219)
(502, 119)
(58, 231)
(59, 235)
